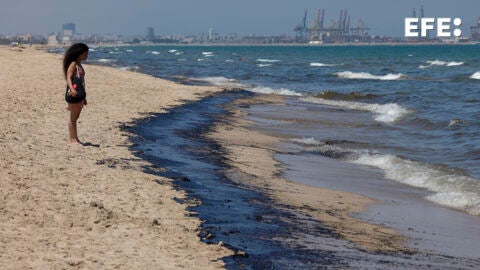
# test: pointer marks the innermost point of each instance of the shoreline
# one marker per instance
(420, 44)
(71, 210)
(233, 215)
(250, 155)
(384, 225)
(72, 207)
(296, 208)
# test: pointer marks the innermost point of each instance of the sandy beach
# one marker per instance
(103, 206)
(90, 207)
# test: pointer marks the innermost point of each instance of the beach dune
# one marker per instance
(91, 207)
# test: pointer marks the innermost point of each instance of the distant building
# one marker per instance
(69, 27)
(68, 32)
(52, 40)
(211, 34)
(150, 34)
(476, 30)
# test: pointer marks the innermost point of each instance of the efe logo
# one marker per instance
(418, 27)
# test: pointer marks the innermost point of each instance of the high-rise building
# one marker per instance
(150, 34)
(68, 31)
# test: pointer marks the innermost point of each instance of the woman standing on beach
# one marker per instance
(75, 94)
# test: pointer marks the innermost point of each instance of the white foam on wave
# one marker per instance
(221, 81)
(264, 65)
(279, 91)
(131, 68)
(475, 76)
(454, 64)
(369, 76)
(129, 51)
(207, 54)
(103, 60)
(441, 63)
(458, 191)
(307, 141)
(321, 65)
(386, 113)
(172, 51)
(268, 60)
(448, 188)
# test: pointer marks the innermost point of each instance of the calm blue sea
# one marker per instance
(411, 111)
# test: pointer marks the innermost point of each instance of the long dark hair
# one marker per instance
(72, 54)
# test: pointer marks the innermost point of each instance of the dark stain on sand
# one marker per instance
(262, 233)
(242, 219)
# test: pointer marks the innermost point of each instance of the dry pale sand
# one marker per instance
(87, 207)
(250, 153)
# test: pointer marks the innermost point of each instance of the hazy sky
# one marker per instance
(385, 17)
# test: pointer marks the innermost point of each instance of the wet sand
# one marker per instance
(88, 207)
(429, 227)
(377, 215)
(250, 153)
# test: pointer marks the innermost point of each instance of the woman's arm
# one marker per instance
(70, 72)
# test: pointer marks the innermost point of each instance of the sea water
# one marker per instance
(410, 111)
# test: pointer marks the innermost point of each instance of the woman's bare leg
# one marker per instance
(75, 110)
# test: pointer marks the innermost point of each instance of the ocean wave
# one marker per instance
(152, 52)
(458, 191)
(449, 187)
(103, 60)
(475, 76)
(280, 91)
(267, 60)
(131, 68)
(342, 96)
(129, 51)
(175, 52)
(307, 141)
(321, 65)
(207, 54)
(220, 81)
(386, 113)
(441, 63)
(457, 122)
(369, 76)
(264, 65)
